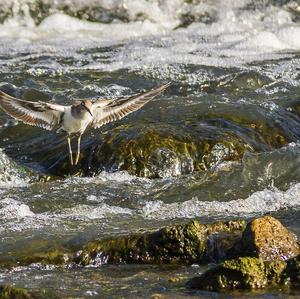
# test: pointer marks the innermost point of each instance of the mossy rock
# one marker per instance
(267, 238)
(248, 273)
(52, 257)
(37, 251)
(9, 292)
(183, 243)
(153, 151)
(197, 139)
(187, 243)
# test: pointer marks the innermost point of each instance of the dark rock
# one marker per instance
(187, 243)
(292, 273)
(266, 255)
(9, 292)
(249, 273)
(151, 151)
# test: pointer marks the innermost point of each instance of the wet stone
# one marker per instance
(268, 239)
(267, 255)
(197, 141)
(186, 243)
(10, 292)
(249, 273)
(153, 152)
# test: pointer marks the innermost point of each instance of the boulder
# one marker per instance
(184, 243)
(10, 292)
(249, 273)
(150, 151)
(268, 239)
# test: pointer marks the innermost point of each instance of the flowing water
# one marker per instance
(234, 68)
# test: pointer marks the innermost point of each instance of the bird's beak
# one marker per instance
(88, 110)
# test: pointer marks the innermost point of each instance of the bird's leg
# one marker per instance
(70, 150)
(78, 149)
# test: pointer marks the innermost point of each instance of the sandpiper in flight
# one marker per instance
(74, 119)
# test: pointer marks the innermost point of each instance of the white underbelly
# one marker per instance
(74, 125)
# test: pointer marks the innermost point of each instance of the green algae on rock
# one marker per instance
(267, 238)
(37, 252)
(204, 139)
(248, 273)
(267, 255)
(10, 292)
(155, 152)
(201, 140)
(52, 257)
(186, 243)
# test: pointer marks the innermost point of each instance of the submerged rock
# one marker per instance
(42, 252)
(53, 257)
(10, 292)
(187, 243)
(268, 239)
(249, 273)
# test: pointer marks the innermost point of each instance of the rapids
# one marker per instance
(228, 130)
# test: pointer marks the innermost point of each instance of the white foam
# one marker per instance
(115, 177)
(11, 175)
(235, 37)
(61, 26)
(263, 27)
(263, 41)
(89, 212)
(258, 203)
(13, 209)
(290, 36)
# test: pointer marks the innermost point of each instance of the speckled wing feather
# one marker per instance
(39, 114)
(113, 110)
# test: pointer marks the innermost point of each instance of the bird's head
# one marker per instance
(87, 105)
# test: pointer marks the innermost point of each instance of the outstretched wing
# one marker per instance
(39, 114)
(108, 111)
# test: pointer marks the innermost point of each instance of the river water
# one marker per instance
(234, 68)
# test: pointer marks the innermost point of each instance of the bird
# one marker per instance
(75, 119)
